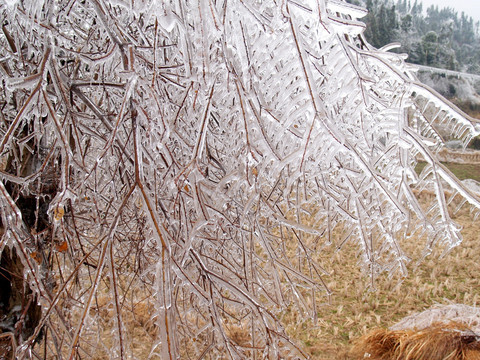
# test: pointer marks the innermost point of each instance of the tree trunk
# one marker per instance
(19, 311)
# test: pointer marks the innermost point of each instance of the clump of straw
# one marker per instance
(440, 341)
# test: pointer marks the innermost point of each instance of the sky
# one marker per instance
(470, 7)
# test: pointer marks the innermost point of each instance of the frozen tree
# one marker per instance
(192, 159)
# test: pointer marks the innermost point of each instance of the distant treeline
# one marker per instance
(438, 37)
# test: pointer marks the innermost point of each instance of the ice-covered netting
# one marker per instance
(202, 154)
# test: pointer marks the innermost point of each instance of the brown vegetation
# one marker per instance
(358, 305)
(454, 341)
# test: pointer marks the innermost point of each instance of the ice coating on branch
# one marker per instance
(198, 155)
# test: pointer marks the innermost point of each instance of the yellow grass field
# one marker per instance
(354, 309)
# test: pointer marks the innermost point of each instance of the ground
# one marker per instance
(354, 308)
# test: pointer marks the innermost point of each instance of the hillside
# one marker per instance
(438, 37)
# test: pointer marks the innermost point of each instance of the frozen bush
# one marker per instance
(183, 163)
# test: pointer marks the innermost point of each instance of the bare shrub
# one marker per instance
(192, 158)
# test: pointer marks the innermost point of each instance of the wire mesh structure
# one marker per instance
(171, 170)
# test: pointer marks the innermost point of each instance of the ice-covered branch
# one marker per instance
(190, 158)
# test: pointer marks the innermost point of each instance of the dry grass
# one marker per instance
(354, 308)
(99, 337)
(453, 341)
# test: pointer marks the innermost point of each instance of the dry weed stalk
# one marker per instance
(452, 341)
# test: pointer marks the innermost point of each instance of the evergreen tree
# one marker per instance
(440, 38)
